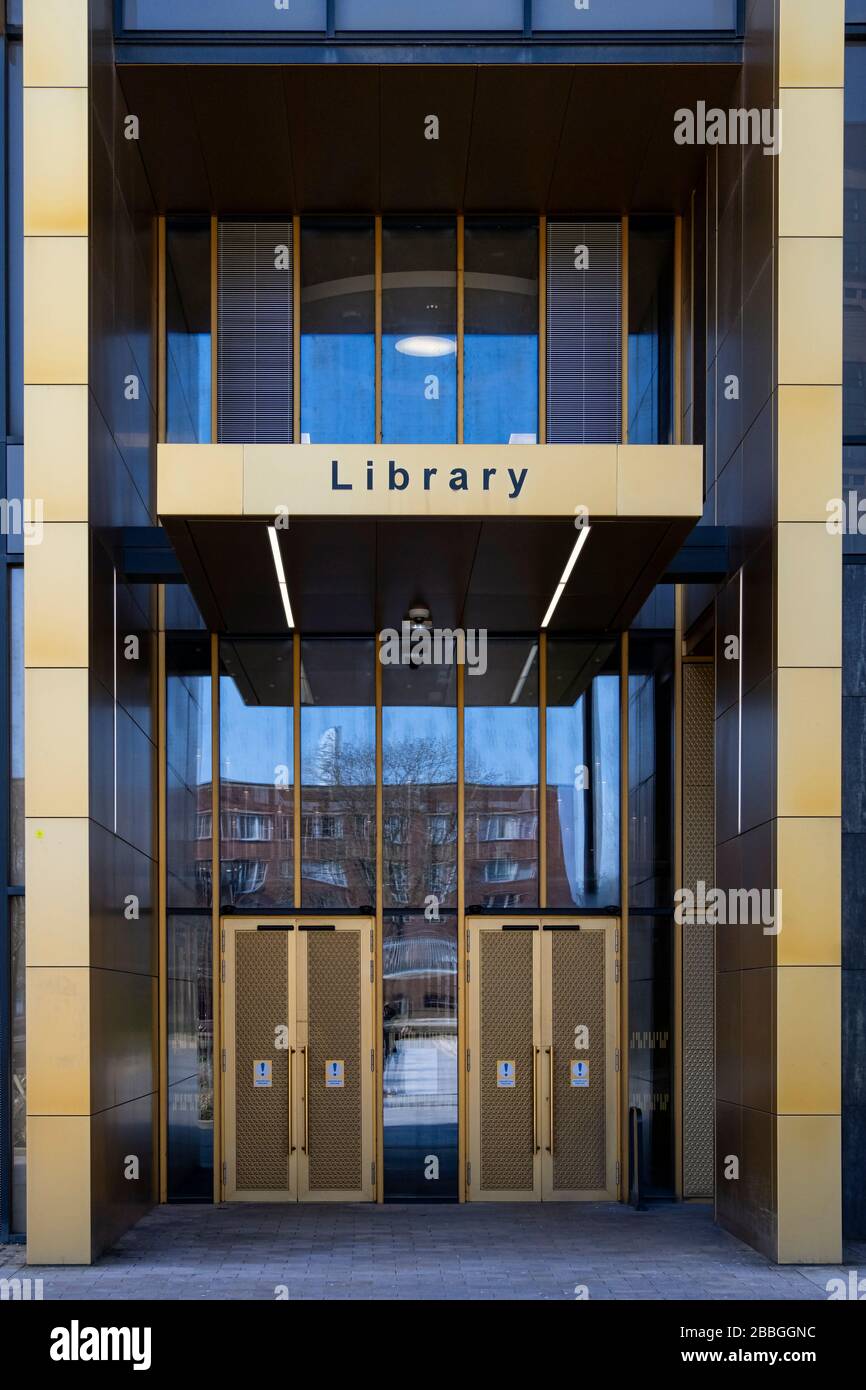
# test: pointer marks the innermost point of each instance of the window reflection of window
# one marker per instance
(442, 829)
(325, 871)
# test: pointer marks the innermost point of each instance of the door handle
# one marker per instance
(291, 1117)
(305, 1147)
(550, 1075)
(536, 1054)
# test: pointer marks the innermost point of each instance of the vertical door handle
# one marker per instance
(550, 1077)
(306, 1144)
(291, 1118)
(536, 1053)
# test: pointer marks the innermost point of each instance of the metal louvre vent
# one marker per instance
(584, 334)
(261, 1005)
(506, 1035)
(698, 938)
(579, 1148)
(334, 1002)
(254, 341)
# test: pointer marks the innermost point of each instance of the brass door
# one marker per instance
(298, 1066)
(542, 1019)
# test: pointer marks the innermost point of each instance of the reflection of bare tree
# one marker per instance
(420, 820)
(338, 810)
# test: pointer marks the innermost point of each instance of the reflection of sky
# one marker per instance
(254, 739)
(329, 728)
(501, 387)
(338, 377)
(407, 416)
(188, 404)
(502, 746)
(566, 751)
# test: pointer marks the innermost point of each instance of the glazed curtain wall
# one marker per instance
(450, 330)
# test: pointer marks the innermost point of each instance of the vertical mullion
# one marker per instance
(377, 272)
(677, 928)
(542, 330)
(162, 895)
(296, 335)
(677, 430)
(161, 332)
(461, 261)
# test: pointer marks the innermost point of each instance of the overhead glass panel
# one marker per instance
(633, 14)
(500, 345)
(583, 774)
(338, 337)
(444, 14)
(419, 332)
(256, 775)
(338, 775)
(501, 778)
(298, 15)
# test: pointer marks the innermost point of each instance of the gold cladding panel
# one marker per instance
(579, 1113)
(200, 480)
(55, 311)
(58, 1041)
(809, 741)
(334, 1007)
(261, 1006)
(810, 311)
(809, 878)
(56, 742)
(58, 1190)
(809, 1212)
(810, 443)
(811, 164)
(55, 43)
(55, 454)
(56, 597)
(55, 162)
(506, 1030)
(808, 1040)
(811, 43)
(809, 603)
(58, 924)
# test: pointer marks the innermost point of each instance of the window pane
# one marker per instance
(500, 344)
(650, 773)
(397, 15)
(419, 332)
(650, 1013)
(338, 343)
(650, 332)
(501, 778)
(19, 1069)
(189, 856)
(419, 772)
(256, 775)
(583, 772)
(16, 736)
(224, 14)
(190, 1057)
(188, 330)
(338, 775)
(635, 14)
(419, 990)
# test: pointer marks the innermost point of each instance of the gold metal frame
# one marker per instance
(214, 329)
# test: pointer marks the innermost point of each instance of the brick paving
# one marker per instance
(487, 1252)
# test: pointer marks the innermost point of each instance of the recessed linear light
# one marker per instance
(566, 574)
(281, 574)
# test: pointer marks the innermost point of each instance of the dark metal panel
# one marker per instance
(242, 125)
(516, 128)
(417, 174)
(254, 339)
(334, 126)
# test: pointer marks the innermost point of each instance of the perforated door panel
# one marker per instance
(579, 1112)
(261, 1005)
(505, 1003)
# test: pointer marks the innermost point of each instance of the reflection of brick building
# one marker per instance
(338, 852)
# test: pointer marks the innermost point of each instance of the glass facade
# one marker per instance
(188, 330)
(583, 774)
(500, 344)
(189, 984)
(419, 332)
(501, 776)
(338, 338)
(338, 775)
(257, 799)
(651, 331)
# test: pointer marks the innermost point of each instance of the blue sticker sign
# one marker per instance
(335, 1074)
(262, 1073)
(505, 1074)
(580, 1073)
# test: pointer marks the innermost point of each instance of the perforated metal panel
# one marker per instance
(334, 1003)
(506, 1035)
(261, 1006)
(254, 342)
(579, 1113)
(584, 333)
(698, 938)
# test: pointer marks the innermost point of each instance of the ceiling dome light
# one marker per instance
(426, 346)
